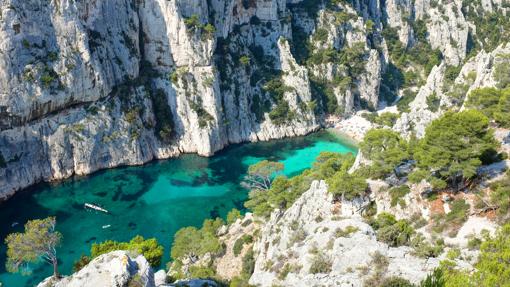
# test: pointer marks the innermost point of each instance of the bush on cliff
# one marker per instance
(149, 248)
(492, 268)
(391, 231)
(190, 242)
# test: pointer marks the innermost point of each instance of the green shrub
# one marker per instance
(192, 22)
(379, 266)
(434, 279)
(209, 30)
(233, 215)
(3, 163)
(474, 243)
(149, 248)
(389, 230)
(423, 249)
(239, 281)
(502, 114)
(397, 234)
(163, 114)
(281, 114)
(244, 60)
(500, 195)
(485, 100)
(248, 263)
(238, 246)
(190, 242)
(455, 218)
(135, 281)
(502, 73)
(320, 264)
(25, 43)
(239, 243)
(492, 266)
(345, 232)
(451, 73)
(397, 193)
(201, 272)
(405, 101)
(433, 102)
(288, 268)
(47, 79)
(385, 119)
(453, 253)
(347, 186)
(204, 117)
(52, 56)
(396, 282)
(82, 262)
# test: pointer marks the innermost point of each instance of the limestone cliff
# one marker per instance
(87, 85)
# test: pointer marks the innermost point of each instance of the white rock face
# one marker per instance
(476, 73)
(449, 31)
(420, 115)
(308, 227)
(75, 96)
(113, 269)
(83, 86)
(58, 54)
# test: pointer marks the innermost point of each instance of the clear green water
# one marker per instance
(154, 200)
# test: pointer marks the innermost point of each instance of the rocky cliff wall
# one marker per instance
(87, 85)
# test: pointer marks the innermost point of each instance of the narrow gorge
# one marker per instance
(418, 92)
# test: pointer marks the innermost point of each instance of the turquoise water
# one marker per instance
(154, 200)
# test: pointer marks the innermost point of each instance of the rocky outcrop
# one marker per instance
(312, 228)
(113, 269)
(477, 72)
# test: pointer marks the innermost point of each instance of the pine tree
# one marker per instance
(38, 241)
(453, 146)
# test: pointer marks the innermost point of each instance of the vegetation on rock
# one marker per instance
(453, 146)
(149, 248)
(39, 241)
(284, 191)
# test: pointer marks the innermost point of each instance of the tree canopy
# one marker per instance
(385, 148)
(453, 146)
(191, 243)
(39, 240)
(261, 174)
(347, 186)
(493, 103)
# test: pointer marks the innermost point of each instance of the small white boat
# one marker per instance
(14, 224)
(106, 226)
(95, 207)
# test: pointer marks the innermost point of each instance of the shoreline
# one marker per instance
(344, 137)
(341, 136)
